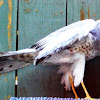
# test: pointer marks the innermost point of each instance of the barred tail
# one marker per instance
(10, 61)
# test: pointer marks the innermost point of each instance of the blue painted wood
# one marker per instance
(82, 9)
(7, 9)
(37, 19)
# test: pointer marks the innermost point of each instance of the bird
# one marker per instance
(68, 47)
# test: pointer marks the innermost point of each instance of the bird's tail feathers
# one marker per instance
(11, 53)
(23, 55)
(13, 60)
(7, 65)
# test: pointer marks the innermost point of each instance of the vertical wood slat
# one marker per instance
(82, 9)
(78, 10)
(8, 11)
(36, 20)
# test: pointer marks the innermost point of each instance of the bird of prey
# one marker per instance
(69, 47)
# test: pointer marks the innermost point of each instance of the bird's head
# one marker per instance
(96, 35)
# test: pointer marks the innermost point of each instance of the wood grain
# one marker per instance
(36, 20)
(8, 11)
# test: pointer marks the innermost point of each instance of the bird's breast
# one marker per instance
(86, 48)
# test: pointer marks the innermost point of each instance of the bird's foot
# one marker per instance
(86, 92)
(89, 97)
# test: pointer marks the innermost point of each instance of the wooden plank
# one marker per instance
(8, 11)
(82, 9)
(38, 18)
(79, 10)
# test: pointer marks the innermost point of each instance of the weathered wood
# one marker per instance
(37, 18)
(79, 10)
(8, 11)
(82, 9)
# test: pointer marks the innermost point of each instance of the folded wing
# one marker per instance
(62, 38)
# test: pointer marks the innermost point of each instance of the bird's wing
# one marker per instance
(62, 38)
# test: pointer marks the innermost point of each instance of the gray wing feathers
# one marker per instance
(64, 37)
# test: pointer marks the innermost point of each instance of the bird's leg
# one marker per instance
(73, 88)
(86, 92)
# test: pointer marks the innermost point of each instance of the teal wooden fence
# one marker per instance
(32, 20)
(8, 13)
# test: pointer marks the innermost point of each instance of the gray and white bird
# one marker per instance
(70, 47)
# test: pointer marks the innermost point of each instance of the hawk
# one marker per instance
(69, 47)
